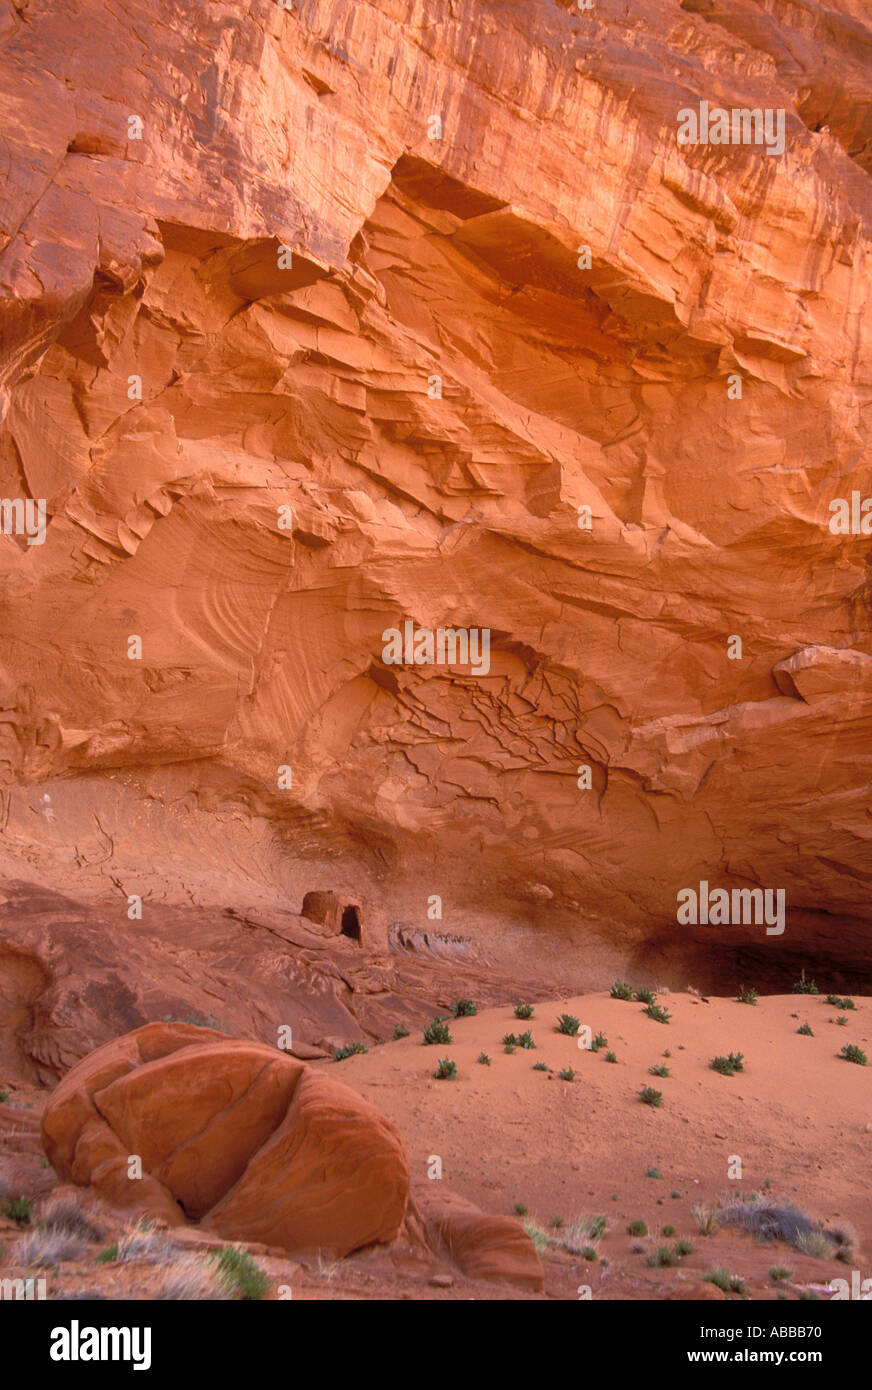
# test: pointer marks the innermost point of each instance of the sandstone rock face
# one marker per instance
(298, 346)
(484, 1246)
(232, 1134)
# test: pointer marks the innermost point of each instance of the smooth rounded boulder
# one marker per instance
(244, 1139)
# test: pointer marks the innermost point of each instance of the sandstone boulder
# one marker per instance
(234, 1134)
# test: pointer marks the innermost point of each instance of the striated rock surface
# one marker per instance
(296, 345)
(236, 1135)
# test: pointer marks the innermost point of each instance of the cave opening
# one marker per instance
(351, 923)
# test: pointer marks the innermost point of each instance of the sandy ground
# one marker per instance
(798, 1119)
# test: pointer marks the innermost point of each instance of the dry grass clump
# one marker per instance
(47, 1248)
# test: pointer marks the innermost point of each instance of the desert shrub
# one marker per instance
(240, 1275)
(778, 1274)
(611, 1057)
(683, 1247)
(780, 1221)
(437, 1031)
(539, 1066)
(724, 1280)
(141, 1242)
(64, 1215)
(648, 1096)
(348, 1050)
(525, 1040)
(806, 1030)
(523, 1011)
(596, 1227)
(645, 996)
(48, 1248)
(400, 1031)
(659, 1070)
(19, 1210)
(464, 1008)
(509, 1047)
(537, 1235)
(663, 1257)
(729, 1065)
(589, 1253)
(659, 1014)
(637, 1228)
(837, 1002)
(842, 1020)
(509, 1040)
(816, 1244)
(4, 1097)
(519, 1209)
(706, 1218)
(567, 1074)
(599, 1041)
(446, 1070)
(653, 1173)
(567, 1024)
(484, 1059)
(107, 1256)
(746, 996)
(191, 1279)
(668, 1231)
(620, 991)
(851, 1053)
(804, 986)
(556, 1222)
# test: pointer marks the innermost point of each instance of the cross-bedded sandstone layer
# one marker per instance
(172, 380)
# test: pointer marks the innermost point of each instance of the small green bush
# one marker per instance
(539, 1066)
(660, 1015)
(682, 1248)
(4, 1096)
(484, 1059)
(804, 986)
(519, 1209)
(400, 1031)
(589, 1253)
(567, 1024)
(653, 1173)
(648, 1096)
(523, 1011)
(620, 991)
(348, 1050)
(464, 1008)
(778, 1274)
(437, 1031)
(806, 1030)
(239, 1273)
(728, 1066)
(645, 996)
(596, 1228)
(556, 1222)
(637, 1228)
(108, 1256)
(663, 1257)
(446, 1070)
(746, 996)
(567, 1074)
(526, 1040)
(611, 1057)
(851, 1053)
(838, 1003)
(668, 1231)
(842, 1020)
(724, 1280)
(659, 1070)
(19, 1210)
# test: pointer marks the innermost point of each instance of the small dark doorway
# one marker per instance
(351, 923)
